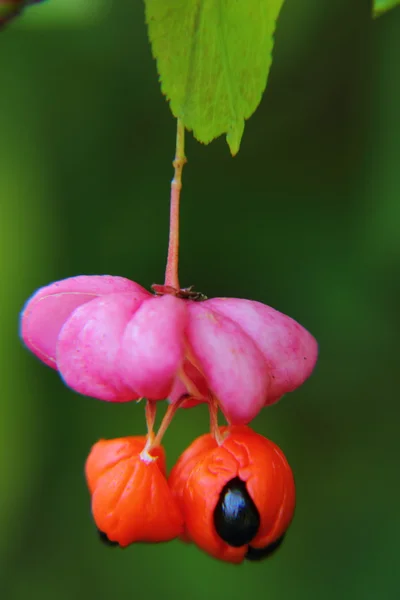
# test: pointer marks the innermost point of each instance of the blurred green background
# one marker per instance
(306, 218)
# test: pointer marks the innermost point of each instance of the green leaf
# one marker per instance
(213, 57)
(381, 6)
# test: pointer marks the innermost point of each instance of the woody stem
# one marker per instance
(171, 272)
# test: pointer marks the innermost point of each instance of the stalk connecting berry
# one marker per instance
(232, 491)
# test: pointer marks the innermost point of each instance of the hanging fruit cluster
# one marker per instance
(232, 491)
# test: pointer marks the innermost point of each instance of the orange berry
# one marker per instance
(131, 499)
(237, 498)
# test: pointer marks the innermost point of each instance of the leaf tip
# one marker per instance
(234, 137)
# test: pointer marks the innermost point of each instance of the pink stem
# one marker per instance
(171, 272)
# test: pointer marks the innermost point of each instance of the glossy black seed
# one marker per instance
(105, 540)
(236, 518)
(255, 554)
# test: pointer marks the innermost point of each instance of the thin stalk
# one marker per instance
(214, 427)
(150, 412)
(157, 439)
(171, 272)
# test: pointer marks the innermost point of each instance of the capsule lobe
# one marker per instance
(256, 554)
(236, 518)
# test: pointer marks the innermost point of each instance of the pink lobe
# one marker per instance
(233, 366)
(152, 347)
(289, 349)
(47, 310)
(89, 343)
(190, 383)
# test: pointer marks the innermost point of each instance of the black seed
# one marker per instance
(236, 518)
(103, 538)
(255, 554)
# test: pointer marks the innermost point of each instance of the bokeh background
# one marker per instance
(306, 218)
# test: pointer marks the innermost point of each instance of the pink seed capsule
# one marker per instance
(111, 339)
